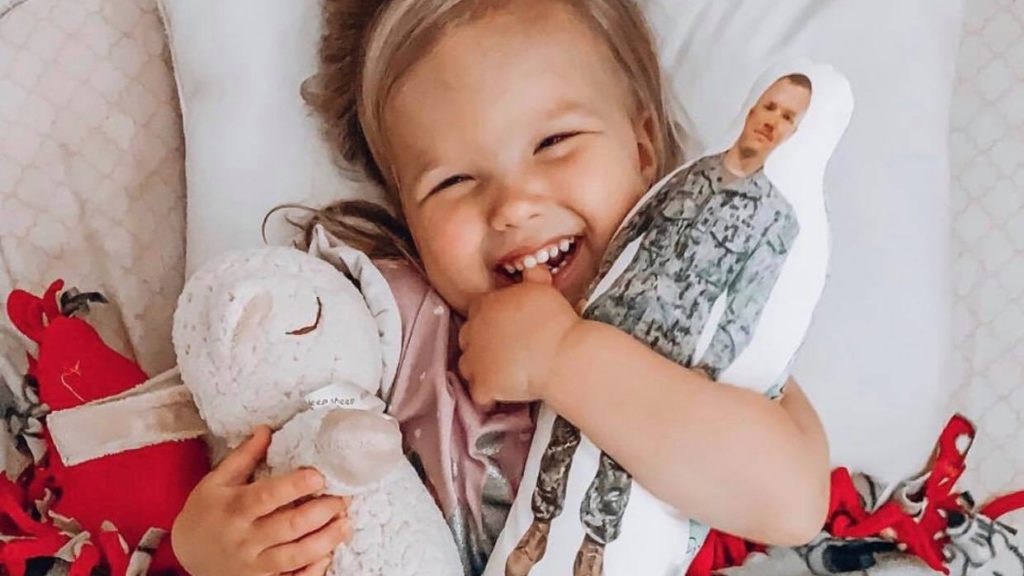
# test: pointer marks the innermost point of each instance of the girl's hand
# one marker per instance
(232, 526)
(512, 337)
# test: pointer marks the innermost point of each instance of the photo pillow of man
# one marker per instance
(718, 268)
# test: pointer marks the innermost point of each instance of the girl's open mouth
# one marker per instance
(556, 258)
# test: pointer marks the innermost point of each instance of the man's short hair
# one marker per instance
(800, 80)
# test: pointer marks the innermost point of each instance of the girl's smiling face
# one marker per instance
(516, 138)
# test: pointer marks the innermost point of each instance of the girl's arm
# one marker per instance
(726, 456)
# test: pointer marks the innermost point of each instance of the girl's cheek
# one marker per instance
(456, 227)
(611, 185)
(582, 174)
(453, 237)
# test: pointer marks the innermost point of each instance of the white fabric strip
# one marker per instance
(160, 410)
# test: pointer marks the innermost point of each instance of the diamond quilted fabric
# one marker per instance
(91, 161)
(987, 149)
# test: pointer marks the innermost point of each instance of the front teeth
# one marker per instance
(540, 257)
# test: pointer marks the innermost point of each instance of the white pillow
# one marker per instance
(876, 359)
(250, 141)
(876, 362)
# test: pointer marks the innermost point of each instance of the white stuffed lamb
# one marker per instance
(275, 336)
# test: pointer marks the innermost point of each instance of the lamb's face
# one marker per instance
(258, 331)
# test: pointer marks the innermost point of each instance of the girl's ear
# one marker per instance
(646, 135)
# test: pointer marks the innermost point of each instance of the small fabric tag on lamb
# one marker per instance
(344, 395)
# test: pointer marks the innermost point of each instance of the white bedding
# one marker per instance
(91, 189)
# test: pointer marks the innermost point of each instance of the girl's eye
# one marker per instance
(449, 182)
(553, 140)
(770, 107)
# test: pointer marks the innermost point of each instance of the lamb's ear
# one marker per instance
(247, 308)
(239, 315)
(376, 292)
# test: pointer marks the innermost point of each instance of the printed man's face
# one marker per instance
(773, 119)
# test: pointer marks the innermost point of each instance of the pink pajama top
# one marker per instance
(470, 460)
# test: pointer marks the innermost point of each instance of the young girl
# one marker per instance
(512, 137)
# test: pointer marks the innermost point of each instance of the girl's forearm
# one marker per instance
(723, 455)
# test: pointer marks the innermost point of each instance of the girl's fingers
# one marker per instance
(464, 368)
(478, 394)
(265, 496)
(307, 550)
(290, 524)
(239, 465)
(486, 406)
(537, 274)
(318, 569)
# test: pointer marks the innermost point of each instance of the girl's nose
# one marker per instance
(513, 205)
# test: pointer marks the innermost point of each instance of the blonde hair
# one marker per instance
(368, 45)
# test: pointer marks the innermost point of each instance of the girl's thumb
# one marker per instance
(239, 465)
(537, 274)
